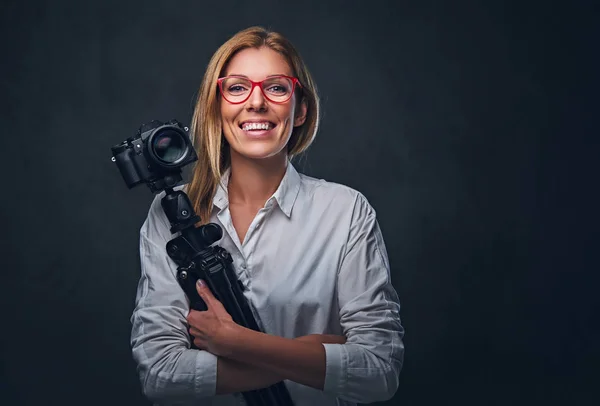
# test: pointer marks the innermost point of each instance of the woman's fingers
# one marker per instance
(212, 303)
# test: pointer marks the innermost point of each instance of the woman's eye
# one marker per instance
(236, 88)
(277, 89)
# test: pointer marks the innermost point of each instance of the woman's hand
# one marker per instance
(213, 328)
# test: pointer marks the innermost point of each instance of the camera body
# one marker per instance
(155, 155)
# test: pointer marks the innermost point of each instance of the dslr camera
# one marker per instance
(155, 155)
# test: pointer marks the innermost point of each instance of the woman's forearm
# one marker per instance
(301, 361)
(234, 376)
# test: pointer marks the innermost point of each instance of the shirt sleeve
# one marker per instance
(366, 369)
(170, 372)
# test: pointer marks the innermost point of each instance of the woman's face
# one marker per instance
(257, 64)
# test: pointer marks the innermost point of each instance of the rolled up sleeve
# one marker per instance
(366, 369)
(169, 371)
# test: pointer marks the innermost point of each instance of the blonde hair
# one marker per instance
(206, 131)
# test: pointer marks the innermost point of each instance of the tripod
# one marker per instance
(196, 259)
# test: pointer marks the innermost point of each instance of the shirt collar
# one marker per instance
(221, 199)
(285, 195)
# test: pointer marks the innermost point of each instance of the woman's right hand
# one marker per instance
(323, 339)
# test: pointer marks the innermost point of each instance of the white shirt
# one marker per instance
(313, 261)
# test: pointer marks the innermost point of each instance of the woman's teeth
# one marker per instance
(256, 126)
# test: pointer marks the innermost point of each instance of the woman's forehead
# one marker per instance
(257, 64)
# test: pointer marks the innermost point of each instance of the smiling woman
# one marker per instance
(315, 273)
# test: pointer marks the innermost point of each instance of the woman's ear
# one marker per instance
(301, 113)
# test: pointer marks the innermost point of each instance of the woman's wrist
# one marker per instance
(229, 336)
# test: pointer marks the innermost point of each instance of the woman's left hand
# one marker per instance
(211, 329)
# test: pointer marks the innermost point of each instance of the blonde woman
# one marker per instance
(309, 253)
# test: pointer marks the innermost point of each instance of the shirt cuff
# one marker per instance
(336, 361)
(206, 378)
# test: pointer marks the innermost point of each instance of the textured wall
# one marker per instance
(467, 125)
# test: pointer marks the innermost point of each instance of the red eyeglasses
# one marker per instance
(276, 89)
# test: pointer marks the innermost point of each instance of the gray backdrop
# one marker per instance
(467, 125)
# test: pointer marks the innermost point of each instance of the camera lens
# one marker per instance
(169, 146)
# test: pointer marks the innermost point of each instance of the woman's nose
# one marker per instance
(257, 100)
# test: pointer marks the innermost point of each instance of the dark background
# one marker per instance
(469, 126)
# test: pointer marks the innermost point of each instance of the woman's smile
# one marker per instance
(258, 128)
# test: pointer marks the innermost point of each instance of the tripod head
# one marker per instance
(180, 212)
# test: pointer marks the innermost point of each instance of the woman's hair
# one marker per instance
(211, 145)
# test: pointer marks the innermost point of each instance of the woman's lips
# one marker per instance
(258, 133)
(255, 128)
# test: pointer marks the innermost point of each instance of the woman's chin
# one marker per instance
(261, 151)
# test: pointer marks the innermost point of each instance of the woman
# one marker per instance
(309, 253)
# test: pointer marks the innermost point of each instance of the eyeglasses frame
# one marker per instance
(294, 80)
